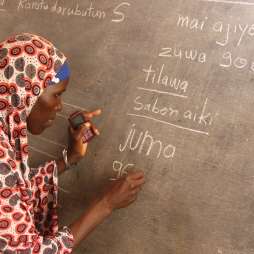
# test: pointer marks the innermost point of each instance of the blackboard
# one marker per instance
(175, 82)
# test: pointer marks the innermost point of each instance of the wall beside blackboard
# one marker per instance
(175, 82)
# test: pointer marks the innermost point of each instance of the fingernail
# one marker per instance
(88, 125)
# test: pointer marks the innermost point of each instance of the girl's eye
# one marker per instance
(58, 94)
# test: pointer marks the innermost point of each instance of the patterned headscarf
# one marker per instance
(27, 65)
(28, 197)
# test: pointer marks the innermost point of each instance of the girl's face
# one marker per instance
(44, 111)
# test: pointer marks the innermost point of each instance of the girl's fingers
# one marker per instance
(133, 185)
(88, 125)
(135, 175)
(136, 190)
(132, 200)
(137, 183)
(80, 131)
(90, 115)
(95, 130)
(83, 128)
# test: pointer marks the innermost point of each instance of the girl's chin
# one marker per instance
(37, 130)
(48, 123)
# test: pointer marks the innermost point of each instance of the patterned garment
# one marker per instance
(28, 197)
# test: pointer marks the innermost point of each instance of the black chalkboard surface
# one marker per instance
(175, 82)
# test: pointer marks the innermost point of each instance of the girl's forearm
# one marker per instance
(94, 215)
(60, 166)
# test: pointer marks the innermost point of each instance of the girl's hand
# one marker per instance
(123, 192)
(77, 148)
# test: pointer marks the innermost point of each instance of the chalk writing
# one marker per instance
(90, 11)
(161, 92)
(144, 142)
(42, 152)
(168, 123)
(33, 5)
(188, 54)
(120, 16)
(159, 78)
(226, 30)
(228, 61)
(121, 169)
(191, 23)
(203, 118)
(153, 107)
(229, 33)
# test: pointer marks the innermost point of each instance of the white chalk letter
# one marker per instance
(121, 15)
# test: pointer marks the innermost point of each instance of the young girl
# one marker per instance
(33, 75)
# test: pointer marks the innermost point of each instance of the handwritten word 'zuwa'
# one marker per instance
(192, 55)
